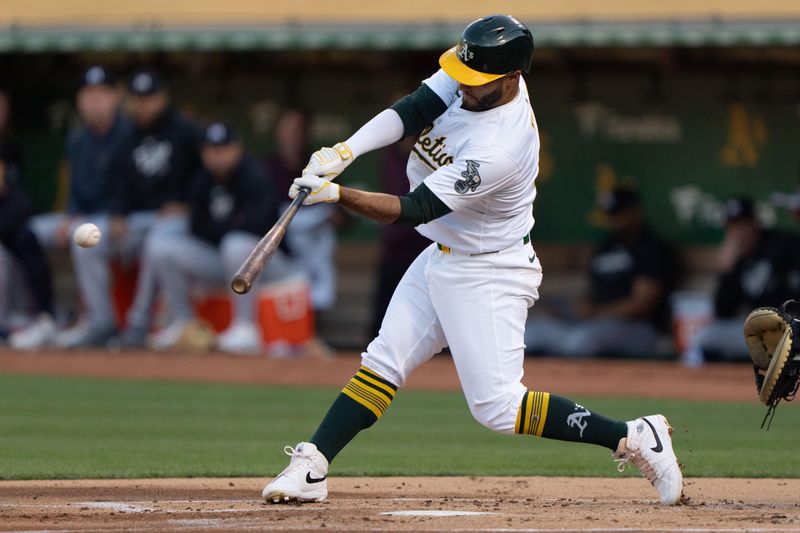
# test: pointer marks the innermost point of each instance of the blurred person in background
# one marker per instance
(151, 171)
(88, 153)
(232, 205)
(20, 242)
(758, 267)
(8, 280)
(311, 237)
(630, 275)
(7, 142)
(400, 245)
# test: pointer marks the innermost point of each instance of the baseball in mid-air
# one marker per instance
(86, 235)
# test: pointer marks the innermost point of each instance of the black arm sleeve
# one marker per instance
(420, 206)
(419, 109)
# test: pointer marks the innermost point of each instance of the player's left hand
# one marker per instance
(322, 190)
(329, 162)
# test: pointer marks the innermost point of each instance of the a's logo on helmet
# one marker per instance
(471, 178)
(463, 53)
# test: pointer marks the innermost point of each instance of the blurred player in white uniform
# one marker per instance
(472, 174)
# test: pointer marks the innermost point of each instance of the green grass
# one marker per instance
(90, 428)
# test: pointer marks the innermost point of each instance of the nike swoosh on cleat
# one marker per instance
(658, 448)
(532, 259)
(310, 479)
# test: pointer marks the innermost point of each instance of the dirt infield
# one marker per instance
(400, 504)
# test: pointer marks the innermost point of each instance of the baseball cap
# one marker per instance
(739, 208)
(146, 82)
(218, 134)
(618, 200)
(97, 75)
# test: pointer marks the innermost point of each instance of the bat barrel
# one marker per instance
(242, 282)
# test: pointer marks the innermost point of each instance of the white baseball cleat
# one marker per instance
(649, 447)
(38, 334)
(304, 480)
(164, 338)
(241, 338)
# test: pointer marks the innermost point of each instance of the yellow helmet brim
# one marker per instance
(461, 73)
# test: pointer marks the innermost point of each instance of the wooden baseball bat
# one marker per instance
(255, 262)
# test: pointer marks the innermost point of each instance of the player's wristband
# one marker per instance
(344, 151)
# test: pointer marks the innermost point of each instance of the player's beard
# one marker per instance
(485, 102)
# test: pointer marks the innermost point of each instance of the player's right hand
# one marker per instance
(329, 162)
(322, 190)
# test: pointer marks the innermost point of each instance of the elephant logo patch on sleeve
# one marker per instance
(471, 179)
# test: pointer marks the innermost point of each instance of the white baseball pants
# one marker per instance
(478, 306)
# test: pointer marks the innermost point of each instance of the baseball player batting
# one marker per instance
(471, 173)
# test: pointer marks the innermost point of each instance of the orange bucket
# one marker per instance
(284, 311)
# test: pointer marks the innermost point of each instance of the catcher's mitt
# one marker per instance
(773, 340)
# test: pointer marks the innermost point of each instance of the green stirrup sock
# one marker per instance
(360, 404)
(554, 417)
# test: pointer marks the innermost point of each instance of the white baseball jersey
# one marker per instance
(483, 166)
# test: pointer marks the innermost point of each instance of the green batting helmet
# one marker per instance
(489, 48)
